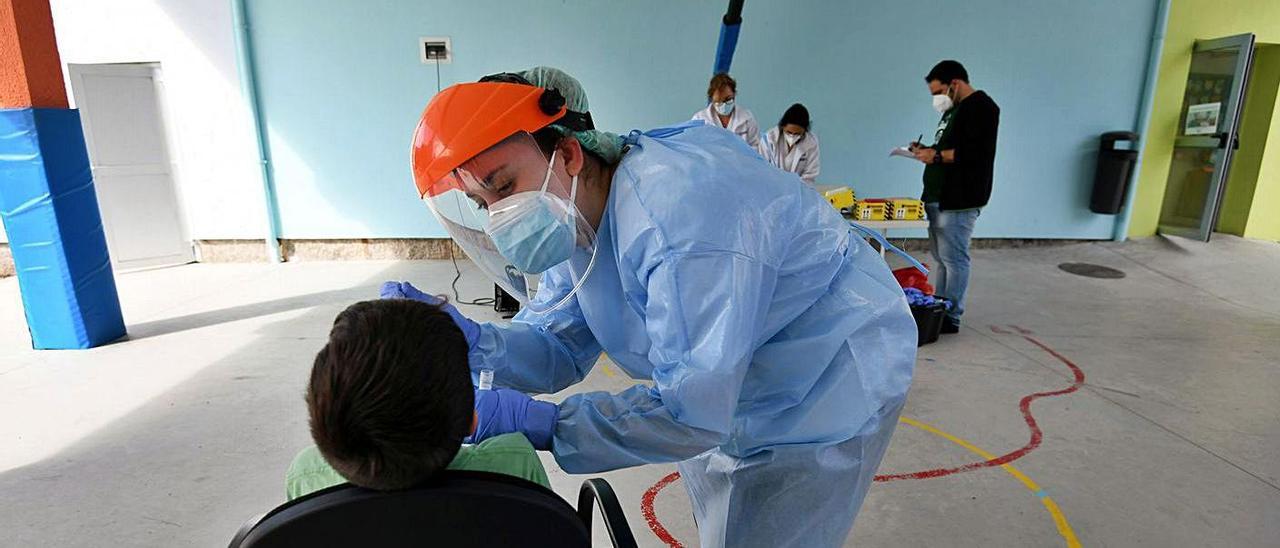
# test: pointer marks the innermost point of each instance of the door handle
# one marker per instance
(1224, 138)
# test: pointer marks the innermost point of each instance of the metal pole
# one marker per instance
(1144, 118)
(249, 87)
(730, 25)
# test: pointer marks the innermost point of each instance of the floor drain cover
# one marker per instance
(1092, 270)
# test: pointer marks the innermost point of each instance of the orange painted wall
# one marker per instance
(30, 70)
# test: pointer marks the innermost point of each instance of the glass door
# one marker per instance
(1207, 135)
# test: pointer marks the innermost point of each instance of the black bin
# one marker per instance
(929, 321)
(504, 303)
(1111, 181)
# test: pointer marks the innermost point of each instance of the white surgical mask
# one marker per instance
(792, 138)
(725, 108)
(942, 103)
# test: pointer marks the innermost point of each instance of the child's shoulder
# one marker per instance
(509, 454)
(308, 460)
(309, 473)
(513, 444)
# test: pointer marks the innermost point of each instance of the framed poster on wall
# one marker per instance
(1202, 119)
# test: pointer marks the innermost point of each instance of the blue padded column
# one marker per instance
(50, 212)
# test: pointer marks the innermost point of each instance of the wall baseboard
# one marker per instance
(6, 261)
(390, 249)
(922, 244)
(417, 249)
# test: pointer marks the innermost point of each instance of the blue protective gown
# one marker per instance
(780, 345)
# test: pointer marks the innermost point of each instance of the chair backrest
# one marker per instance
(457, 508)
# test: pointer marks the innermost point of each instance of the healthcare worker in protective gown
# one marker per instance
(779, 345)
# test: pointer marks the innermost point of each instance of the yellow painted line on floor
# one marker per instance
(1059, 519)
(604, 365)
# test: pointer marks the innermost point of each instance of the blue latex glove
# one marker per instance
(403, 290)
(917, 298)
(503, 411)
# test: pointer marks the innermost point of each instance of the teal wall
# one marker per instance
(342, 87)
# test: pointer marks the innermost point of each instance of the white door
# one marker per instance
(125, 133)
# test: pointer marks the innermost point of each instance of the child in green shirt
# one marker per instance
(390, 401)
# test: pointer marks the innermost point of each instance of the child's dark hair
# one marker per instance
(390, 396)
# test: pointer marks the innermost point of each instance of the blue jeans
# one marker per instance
(949, 233)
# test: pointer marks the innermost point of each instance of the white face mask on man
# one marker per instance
(942, 102)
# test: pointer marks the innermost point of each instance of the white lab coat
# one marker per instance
(741, 122)
(801, 159)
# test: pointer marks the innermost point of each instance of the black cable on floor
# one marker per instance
(484, 301)
(457, 272)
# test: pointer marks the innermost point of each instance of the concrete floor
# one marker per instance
(176, 436)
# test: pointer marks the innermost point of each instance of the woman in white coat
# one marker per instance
(791, 146)
(722, 111)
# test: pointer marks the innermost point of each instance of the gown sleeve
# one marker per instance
(704, 313)
(539, 353)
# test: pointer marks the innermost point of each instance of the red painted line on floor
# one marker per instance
(1024, 406)
(646, 508)
(646, 503)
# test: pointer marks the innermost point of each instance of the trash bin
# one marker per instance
(1111, 181)
(504, 303)
(929, 318)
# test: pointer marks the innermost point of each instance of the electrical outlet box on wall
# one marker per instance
(435, 49)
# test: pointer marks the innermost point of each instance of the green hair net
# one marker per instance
(607, 146)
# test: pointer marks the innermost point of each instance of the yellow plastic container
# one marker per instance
(904, 209)
(867, 210)
(840, 198)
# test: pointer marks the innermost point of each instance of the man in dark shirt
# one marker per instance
(957, 177)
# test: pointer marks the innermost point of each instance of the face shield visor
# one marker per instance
(514, 214)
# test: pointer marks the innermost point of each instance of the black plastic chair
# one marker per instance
(457, 508)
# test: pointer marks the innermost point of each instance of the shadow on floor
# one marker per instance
(243, 312)
(172, 472)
